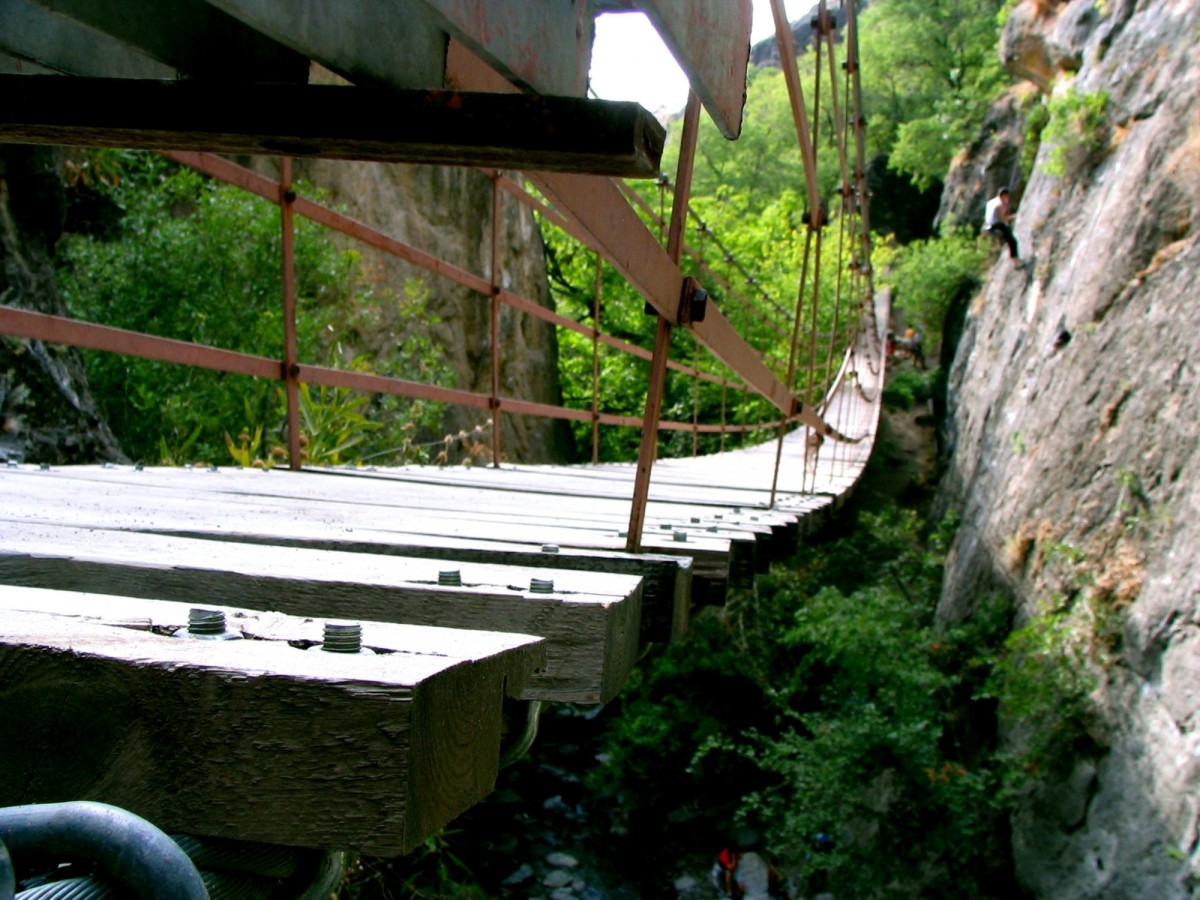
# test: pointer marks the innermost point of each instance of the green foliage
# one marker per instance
(933, 70)
(1037, 116)
(1076, 132)
(907, 387)
(197, 261)
(926, 276)
(1043, 683)
(431, 871)
(853, 718)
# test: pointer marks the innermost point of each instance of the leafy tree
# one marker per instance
(930, 70)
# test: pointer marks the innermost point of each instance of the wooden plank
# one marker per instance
(251, 739)
(343, 503)
(666, 580)
(566, 134)
(590, 620)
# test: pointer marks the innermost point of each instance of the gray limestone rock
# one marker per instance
(1092, 443)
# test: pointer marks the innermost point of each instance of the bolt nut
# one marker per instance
(680, 536)
(549, 548)
(342, 638)
(207, 625)
(541, 585)
(450, 578)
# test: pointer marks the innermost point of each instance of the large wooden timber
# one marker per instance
(285, 509)
(589, 619)
(564, 134)
(267, 738)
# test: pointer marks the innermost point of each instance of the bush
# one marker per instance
(906, 388)
(853, 720)
(1076, 131)
(927, 275)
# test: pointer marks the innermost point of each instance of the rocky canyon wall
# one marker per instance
(448, 212)
(1073, 431)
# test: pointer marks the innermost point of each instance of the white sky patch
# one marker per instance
(630, 61)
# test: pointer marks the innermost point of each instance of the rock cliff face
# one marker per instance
(448, 212)
(1074, 437)
(47, 413)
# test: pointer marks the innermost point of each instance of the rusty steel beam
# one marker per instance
(564, 134)
(58, 330)
(597, 205)
(543, 45)
(287, 198)
(787, 56)
(494, 277)
(261, 186)
(648, 449)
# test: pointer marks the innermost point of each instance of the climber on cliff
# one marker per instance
(996, 219)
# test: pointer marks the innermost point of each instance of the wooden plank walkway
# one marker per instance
(539, 552)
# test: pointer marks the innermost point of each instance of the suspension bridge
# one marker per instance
(342, 658)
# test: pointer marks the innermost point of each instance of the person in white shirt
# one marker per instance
(996, 219)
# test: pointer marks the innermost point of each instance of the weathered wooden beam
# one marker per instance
(564, 134)
(256, 739)
(589, 620)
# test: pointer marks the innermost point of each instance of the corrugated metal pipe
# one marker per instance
(126, 849)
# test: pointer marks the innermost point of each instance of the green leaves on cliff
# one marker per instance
(1076, 132)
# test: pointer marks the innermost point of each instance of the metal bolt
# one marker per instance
(205, 621)
(680, 535)
(541, 585)
(665, 526)
(342, 638)
(549, 548)
(695, 520)
(450, 578)
(208, 625)
(712, 528)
